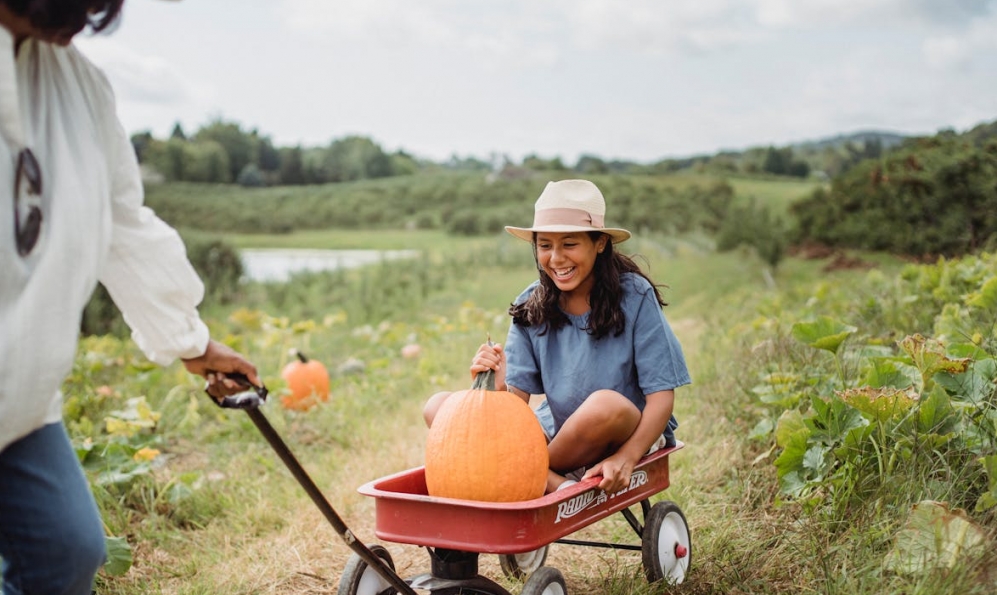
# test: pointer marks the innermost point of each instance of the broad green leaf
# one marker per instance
(880, 404)
(933, 537)
(763, 429)
(884, 372)
(929, 357)
(813, 460)
(119, 556)
(989, 498)
(832, 420)
(986, 298)
(790, 460)
(823, 333)
(935, 414)
(790, 422)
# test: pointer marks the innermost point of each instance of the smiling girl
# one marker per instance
(590, 336)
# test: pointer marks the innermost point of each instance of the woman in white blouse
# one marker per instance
(71, 215)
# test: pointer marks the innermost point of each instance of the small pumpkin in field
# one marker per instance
(308, 381)
(486, 445)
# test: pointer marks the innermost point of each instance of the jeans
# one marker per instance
(51, 534)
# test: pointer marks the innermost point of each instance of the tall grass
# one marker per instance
(217, 513)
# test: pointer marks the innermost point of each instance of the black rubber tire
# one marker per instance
(545, 581)
(360, 579)
(665, 528)
(520, 566)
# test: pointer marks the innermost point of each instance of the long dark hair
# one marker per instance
(66, 17)
(542, 307)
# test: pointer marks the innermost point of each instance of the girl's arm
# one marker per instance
(617, 467)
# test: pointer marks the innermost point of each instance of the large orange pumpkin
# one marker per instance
(308, 381)
(486, 445)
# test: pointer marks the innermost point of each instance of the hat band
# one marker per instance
(577, 217)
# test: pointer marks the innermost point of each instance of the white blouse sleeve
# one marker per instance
(147, 272)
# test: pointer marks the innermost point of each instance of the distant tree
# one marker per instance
(178, 132)
(268, 157)
(292, 166)
(141, 142)
(590, 164)
(240, 146)
(355, 158)
(250, 176)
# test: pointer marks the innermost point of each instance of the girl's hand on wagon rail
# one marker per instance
(490, 357)
(615, 470)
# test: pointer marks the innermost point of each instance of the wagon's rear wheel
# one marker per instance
(666, 546)
(360, 579)
(520, 566)
(545, 581)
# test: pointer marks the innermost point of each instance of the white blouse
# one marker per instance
(94, 228)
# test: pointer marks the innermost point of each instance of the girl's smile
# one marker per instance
(569, 259)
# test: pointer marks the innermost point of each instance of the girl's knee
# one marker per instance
(432, 407)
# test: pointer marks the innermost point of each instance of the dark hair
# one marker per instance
(542, 307)
(66, 17)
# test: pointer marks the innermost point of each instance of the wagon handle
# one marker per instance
(250, 401)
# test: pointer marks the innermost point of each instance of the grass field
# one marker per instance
(215, 512)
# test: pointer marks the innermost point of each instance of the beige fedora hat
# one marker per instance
(569, 206)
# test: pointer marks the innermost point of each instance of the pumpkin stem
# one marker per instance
(484, 381)
(301, 356)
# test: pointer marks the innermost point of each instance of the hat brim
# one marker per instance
(526, 233)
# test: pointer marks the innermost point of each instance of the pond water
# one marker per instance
(277, 264)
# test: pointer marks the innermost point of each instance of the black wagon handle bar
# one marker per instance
(250, 401)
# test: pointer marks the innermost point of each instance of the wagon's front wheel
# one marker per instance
(519, 566)
(360, 579)
(545, 581)
(666, 545)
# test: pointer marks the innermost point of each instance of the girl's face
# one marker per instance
(569, 258)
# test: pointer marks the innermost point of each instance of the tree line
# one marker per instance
(929, 197)
(223, 152)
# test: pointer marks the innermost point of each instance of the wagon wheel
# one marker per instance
(520, 566)
(545, 581)
(360, 579)
(666, 545)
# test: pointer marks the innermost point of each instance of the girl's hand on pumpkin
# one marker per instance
(490, 357)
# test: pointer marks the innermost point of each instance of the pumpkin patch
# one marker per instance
(308, 381)
(486, 445)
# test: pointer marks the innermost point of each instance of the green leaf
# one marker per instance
(119, 556)
(813, 460)
(935, 413)
(933, 537)
(879, 404)
(790, 422)
(823, 333)
(762, 429)
(832, 420)
(989, 499)
(929, 358)
(986, 298)
(883, 372)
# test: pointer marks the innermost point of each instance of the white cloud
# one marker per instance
(137, 77)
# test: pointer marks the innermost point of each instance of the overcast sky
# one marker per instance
(627, 79)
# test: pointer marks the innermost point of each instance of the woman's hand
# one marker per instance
(490, 357)
(217, 361)
(615, 469)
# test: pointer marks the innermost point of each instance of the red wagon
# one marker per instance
(456, 532)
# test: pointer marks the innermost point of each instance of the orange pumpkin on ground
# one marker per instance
(486, 445)
(308, 381)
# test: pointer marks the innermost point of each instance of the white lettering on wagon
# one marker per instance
(577, 504)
